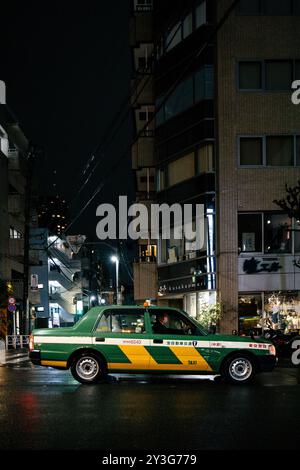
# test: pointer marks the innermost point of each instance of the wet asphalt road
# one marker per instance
(42, 408)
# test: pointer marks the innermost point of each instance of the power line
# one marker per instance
(157, 110)
(128, 103)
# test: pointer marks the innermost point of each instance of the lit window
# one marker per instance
(277, 233)
(250, 232)
(181, 169)
(205, 159)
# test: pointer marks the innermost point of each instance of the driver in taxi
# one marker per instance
(161, 326)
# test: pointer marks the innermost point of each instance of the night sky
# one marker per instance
(67, 68)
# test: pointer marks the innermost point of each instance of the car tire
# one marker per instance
(88, 368)
(239, 369)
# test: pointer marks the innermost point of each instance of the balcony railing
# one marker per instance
(143, 152)
(145, 280)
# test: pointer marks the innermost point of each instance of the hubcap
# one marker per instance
(87, 368)
(240, 369)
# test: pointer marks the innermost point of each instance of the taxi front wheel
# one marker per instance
(88, 369)
(239, 369)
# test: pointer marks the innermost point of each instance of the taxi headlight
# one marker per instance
(272, 350)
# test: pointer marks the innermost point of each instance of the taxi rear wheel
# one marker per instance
(239, 369)
(88, 369)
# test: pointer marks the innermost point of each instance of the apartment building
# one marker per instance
(257, 59)
(57, 283)
(13, 177)
(143, 155)
(227, 135)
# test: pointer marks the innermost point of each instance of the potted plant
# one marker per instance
(210, 315)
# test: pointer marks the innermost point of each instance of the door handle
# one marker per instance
(160, 341)
(100, 340)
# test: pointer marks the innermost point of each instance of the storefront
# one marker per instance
(279, 310)
(194, 302)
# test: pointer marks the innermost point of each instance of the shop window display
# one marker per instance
(270, 310)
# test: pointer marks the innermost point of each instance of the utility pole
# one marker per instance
(26, 320)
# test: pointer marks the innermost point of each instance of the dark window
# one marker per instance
(249, 7)
(297, 236)
(298, 150)
(184, 95)
(296, 7)
(181, 98)
(250, 76)
(204, 83)
(277, 233)
(279, 74)
(297, 69)
(251, 151)
(160, 111)
(187, 25)
(200, 13)
(250, 232)
(277, 7)
(121, 321)
(280, 151)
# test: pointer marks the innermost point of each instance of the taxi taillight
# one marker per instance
(31, 343)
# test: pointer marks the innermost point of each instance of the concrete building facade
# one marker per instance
(13, 177)
(227, 136)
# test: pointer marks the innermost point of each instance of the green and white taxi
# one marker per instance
(135, 339)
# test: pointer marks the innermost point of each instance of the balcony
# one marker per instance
(141, 27)
(145, 280)
(63, 302)
(143, 93)
(145, 182)
(63, 280)
(143, 58)
(143, 151)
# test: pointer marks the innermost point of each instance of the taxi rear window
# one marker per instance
(127, 321)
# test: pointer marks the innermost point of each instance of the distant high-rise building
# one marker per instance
(53, 214)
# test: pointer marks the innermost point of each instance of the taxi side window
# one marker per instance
(121, 321)
(104, 324)
(168, 322)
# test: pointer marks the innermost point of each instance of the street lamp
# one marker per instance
(115, 259)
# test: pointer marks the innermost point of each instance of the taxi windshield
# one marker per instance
(203, 330)
(201, 327)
